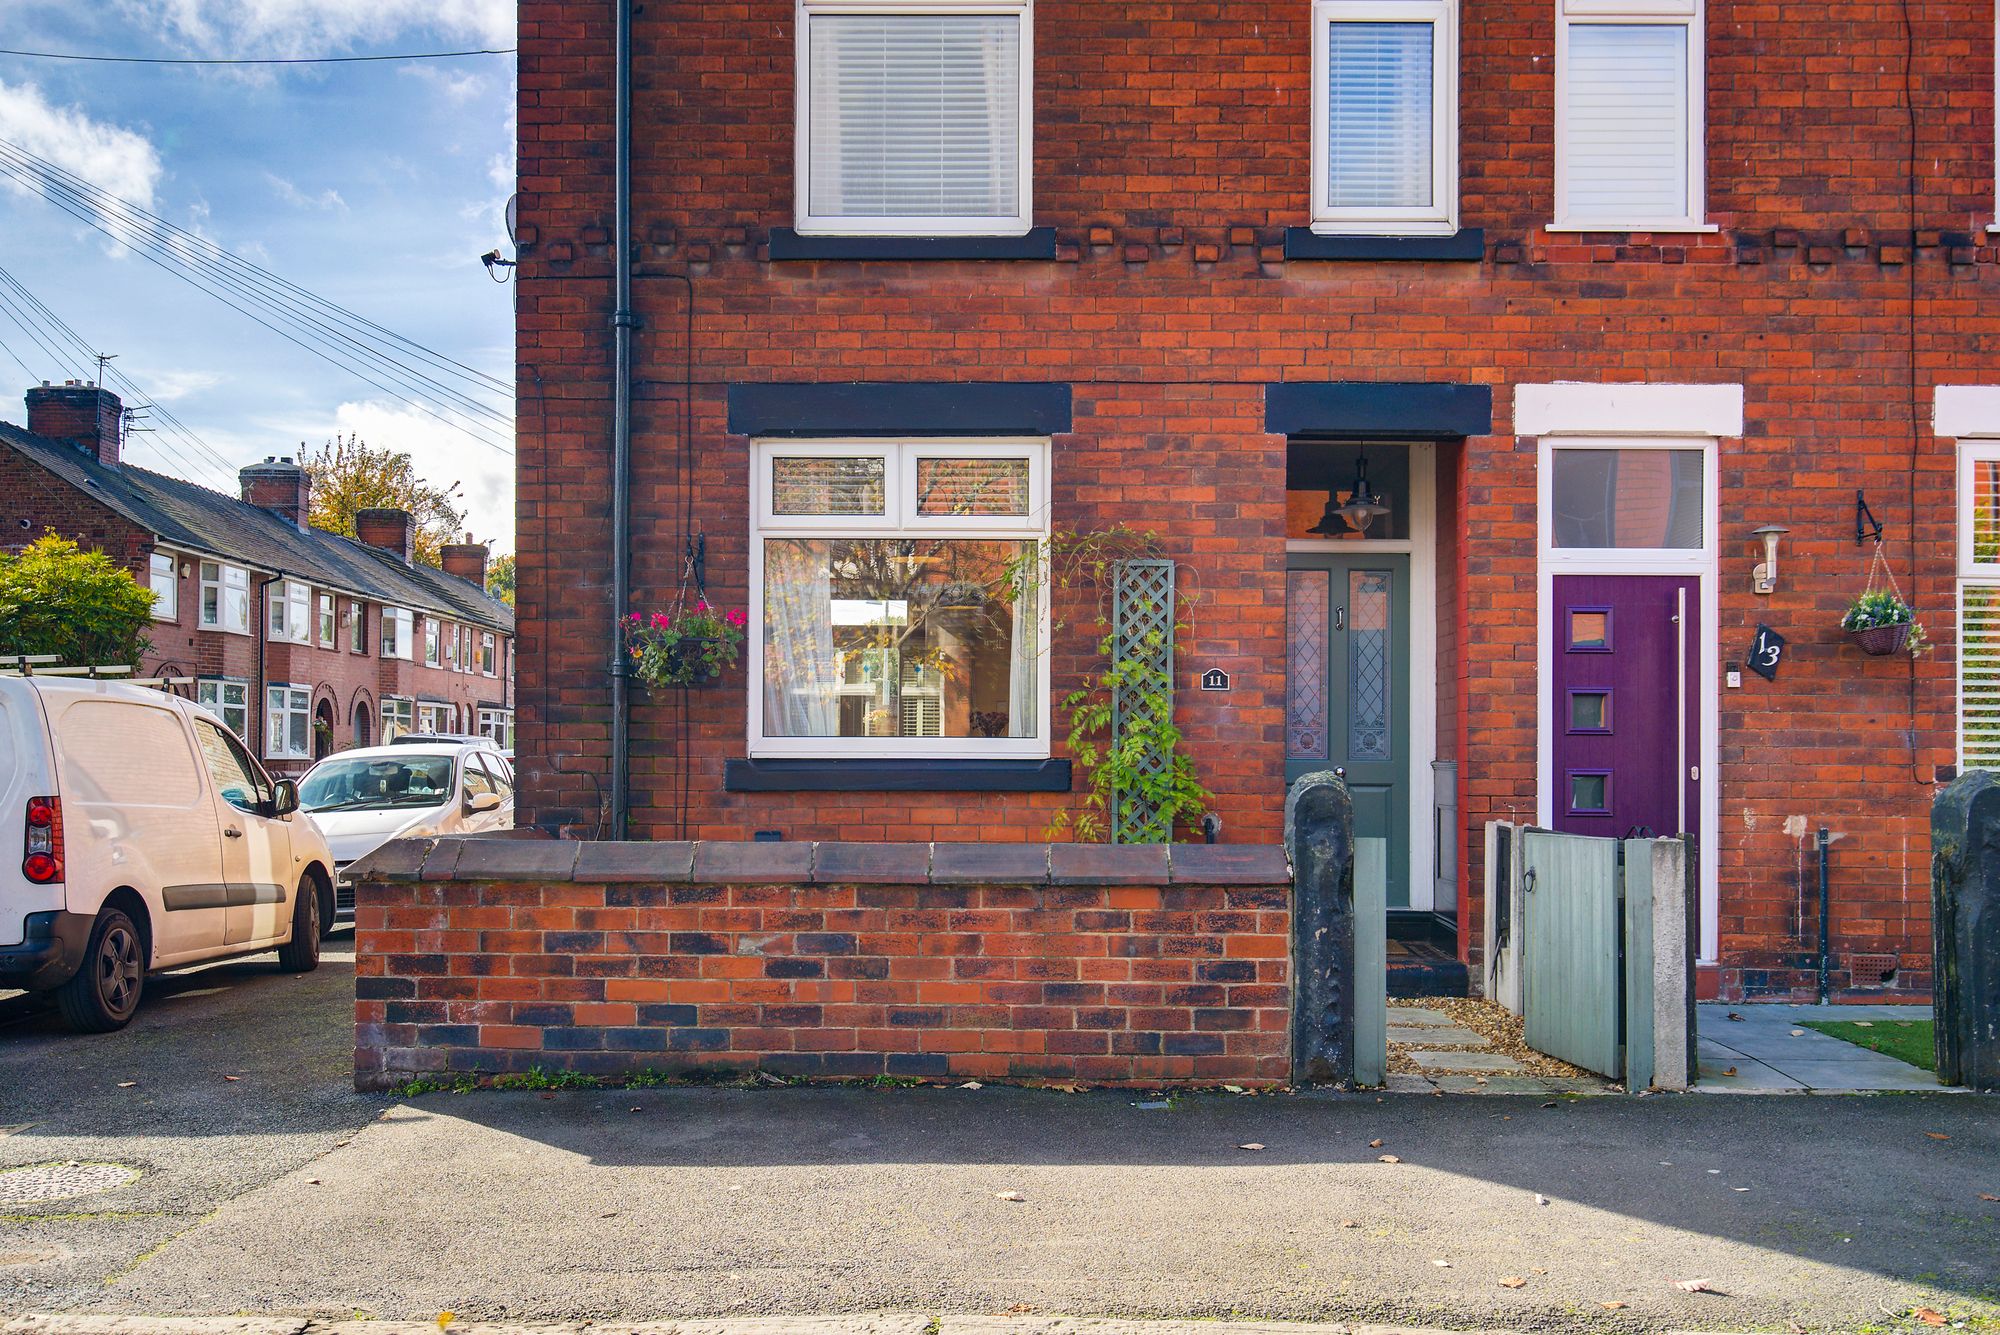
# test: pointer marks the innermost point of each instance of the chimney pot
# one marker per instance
(90, 418)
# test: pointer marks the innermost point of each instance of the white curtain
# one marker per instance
(1025, 697)
(800, 673)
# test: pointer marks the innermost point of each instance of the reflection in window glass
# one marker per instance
(1588, 711)
(1587, 792)
(828, 485)
(897, 638)
(1627, 498)
(972, 486)
(1590, 629)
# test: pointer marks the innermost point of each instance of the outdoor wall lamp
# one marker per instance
(1363, 507)
(1764, 579)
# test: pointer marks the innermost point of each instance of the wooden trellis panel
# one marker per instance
(1142, 631)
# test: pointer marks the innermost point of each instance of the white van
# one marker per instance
(149, 839)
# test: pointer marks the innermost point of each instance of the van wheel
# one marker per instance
(104, 994)
(301, 953)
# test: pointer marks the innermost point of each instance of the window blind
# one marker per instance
(914, 115)
(1625, 124)
(1979, 675)
(1379, 115)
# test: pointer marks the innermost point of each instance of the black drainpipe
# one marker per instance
(1825, 908)
(623, 321)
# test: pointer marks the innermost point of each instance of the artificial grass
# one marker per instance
(1906, 1040)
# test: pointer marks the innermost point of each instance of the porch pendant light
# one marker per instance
(1363, 507)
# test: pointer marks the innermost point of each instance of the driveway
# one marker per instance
(156, 1098)
(284, 1192)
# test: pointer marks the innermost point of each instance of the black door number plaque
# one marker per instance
(1766, 651)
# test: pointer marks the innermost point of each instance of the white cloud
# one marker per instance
(318, 27)
(456, 86)
(327, 199)
(172, 386)
(442, 456)
(111, 157)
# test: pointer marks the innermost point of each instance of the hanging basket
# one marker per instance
(1881, 641)
(686, 665)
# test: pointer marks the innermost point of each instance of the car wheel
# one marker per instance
(326, 913)
(104, 994)
(301, 953)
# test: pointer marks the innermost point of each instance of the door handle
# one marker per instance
(1340, 618)
(1340, 771)
(231, 832)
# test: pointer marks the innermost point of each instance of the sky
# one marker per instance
(376, 186)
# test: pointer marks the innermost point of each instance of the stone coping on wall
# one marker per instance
(829, 863)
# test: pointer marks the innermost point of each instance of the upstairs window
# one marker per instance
(1385, 122)
(1629, 115)
(357, 628)
(326, 620)
(164, 572)
(225, 597)
(488, 658)
(915, 117)
(290, 617)
(397, 630)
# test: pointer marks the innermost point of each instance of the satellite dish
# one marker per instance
(513, 216)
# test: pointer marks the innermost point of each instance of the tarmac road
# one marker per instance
(258, 1195)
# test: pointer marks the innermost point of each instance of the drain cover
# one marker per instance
(60, 1181)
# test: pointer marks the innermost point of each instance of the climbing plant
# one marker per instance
(1140, 782)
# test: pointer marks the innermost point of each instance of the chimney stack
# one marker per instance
(467, 560)
(87, 416)
(390, 529)
(280, 486)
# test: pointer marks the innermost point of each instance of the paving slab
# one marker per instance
(1408, 1084)
(1425, 1015)
(1494, 1084)
(1830, 1076)
(1744, 1075)
(1437, 1036)
(1467, 1061)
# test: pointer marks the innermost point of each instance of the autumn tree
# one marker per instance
(500, 578)
(350, 476)
(84, 608)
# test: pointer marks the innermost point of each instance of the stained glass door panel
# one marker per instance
(1347, 697)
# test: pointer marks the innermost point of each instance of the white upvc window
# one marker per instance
(163, 571)
(433, 719)
(228, 700)
(287, 722)
(398, 630)
(327, 628)
(1630, 116)
(1979, 604)
(915, 117)
(225, 598)
(432, 651)
(489, 662)
(497, 724)
(398, 717)
(1385, 116)
(357, 628)
(889, 614)
(290, 612)
(466, 661)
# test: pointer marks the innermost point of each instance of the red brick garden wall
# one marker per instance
(1018, 962)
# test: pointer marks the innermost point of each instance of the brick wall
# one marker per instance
(1172, 146)
(845, 961)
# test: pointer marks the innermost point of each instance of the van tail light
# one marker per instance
(42, 854)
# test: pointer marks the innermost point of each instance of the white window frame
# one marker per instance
(290, 620)
(498, 726)
(166, 585)
(832, 225)
(433, 643)
(899, 504)
(282, 702)
(228, 578)
(357, 628)
(1690, 14)
(1972, 450)
(1441, 219)
(398, 633)
(212, 694)
(434, 718)
(329, 620)
(489, 654)
(399, 712)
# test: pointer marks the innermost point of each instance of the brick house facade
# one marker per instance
(1201, 311)
(291, 633)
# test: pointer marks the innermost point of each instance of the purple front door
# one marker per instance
(1627, 721)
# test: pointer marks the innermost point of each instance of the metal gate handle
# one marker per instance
(1528, 880)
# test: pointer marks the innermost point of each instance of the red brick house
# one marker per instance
(1592, 294)
(305, 642)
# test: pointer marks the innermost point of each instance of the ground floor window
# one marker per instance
(227, 700)
(398, 717)
(1979, 605)
(498, 724)
(434, 718)
(288, 722)
(899, 606)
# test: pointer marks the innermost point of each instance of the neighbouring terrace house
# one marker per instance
(303, 641)
(1514, 389)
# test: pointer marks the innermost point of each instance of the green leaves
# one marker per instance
(56, 598)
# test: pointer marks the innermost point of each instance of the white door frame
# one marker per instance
(1421, 548)
(1699, 563)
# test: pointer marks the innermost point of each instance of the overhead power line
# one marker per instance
(460, 396)
(257, 60)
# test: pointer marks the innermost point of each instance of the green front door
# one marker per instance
(1347, 698)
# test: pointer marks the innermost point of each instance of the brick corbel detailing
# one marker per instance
(1112, 965)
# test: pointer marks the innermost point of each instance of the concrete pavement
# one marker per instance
(1767, 1050)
